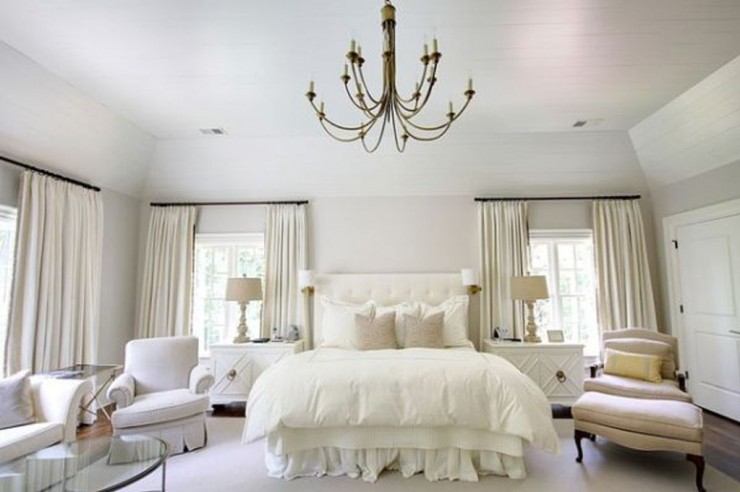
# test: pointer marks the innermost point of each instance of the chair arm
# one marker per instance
(59, 400)
(122, 390)
(201, 380)
(681, 379)
(594, 369)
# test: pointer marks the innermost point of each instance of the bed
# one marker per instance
(450, 413)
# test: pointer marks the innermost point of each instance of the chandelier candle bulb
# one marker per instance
(310, 86)
(435, 46)
(470, 84)
(352, 46)
(346, 70)
(451, 107)
(426, 49)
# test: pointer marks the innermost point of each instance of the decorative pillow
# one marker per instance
(16, 403)
(427, 331)
(338, 321)
(402, 310)
(647, 347)
(375, 332)
(636, 366)
(455, 311)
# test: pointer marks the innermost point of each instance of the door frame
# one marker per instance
(671, 224)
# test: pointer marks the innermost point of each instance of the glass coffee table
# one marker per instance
(99, 464)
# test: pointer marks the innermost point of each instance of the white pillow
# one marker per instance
(455, 319)
(402, 310)
(16, 403)
(338, 321)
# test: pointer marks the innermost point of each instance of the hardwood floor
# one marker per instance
(721, 435)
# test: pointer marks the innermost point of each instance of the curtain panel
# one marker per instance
(624, 288)
(55, 303)
(166, 290)
(504, 253)
(285, 253)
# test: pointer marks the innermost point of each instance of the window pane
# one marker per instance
(565, 256)
(567, 282)
(540, 258)
(584, 256)
(7, 247)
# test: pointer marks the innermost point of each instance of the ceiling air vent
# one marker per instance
(213, 131)
(589, 123)
(579, 123)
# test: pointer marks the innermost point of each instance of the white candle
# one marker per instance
(310, 86)
(470, 84)
(321, 107)
(346, 70)
(450, 111)
(352, 46)
(435, 46)
(426, 49)
(359, 50)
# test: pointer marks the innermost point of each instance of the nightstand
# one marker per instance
(236, 366)
(557, 368)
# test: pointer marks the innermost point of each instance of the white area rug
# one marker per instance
(226, 465)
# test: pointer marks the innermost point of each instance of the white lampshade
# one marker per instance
(243, 289)
(305, 278)
(469, 277)
(529, 288)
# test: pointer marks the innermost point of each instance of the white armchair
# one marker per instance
(56, 404)
(163, 392)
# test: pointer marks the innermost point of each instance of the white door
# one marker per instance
(709, 269)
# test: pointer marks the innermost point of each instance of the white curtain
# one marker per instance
(504, 252)
(285, 254)
(166, 290)
(624, 289)
(56, 284)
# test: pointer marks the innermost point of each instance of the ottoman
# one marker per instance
(648, 425)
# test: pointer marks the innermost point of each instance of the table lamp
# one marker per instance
(530, 289)
(243, 290)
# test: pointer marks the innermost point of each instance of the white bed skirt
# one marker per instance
(436, 464)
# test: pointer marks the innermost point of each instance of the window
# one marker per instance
(566, 258)
(7, 247)
(218, 257)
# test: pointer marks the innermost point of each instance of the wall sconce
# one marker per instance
(470, 280)
(305, 281)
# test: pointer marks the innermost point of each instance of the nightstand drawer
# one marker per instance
(555, 367)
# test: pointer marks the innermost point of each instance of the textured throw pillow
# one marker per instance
(375, 332)
(427, 331)
(402, 310)
(636, 366)
(455, 311)
(338, 321)
(16, 404)
(647, 347)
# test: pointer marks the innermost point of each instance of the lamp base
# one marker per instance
(241, 330)
(531, 336)
(241, 339)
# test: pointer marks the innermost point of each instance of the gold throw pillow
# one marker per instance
(630, 365)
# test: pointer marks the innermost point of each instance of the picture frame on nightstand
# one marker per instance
(555, 336)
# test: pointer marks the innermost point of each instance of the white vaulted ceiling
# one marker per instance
(171, 67)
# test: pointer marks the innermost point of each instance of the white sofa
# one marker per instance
(163, 393)
(56, 404)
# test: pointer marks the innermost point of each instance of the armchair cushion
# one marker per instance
(200, 380)
(647, 347)
(161, 364)
(163, 406)
(19, 441)
(635, 388)
(16, 405)
(121, 390)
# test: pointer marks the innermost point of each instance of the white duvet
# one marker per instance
(389, 388)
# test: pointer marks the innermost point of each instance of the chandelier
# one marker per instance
(391, 109)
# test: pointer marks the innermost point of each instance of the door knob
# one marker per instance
(231, 375)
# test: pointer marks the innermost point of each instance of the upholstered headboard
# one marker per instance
(384, 288)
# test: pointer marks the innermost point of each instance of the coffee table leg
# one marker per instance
(164, 474)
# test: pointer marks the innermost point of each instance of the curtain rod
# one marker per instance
(218, 204)
(48, 173)
(555, 198)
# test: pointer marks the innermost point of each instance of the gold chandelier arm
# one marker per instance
(404, 136)
(341, 139)
(417, 89)
(361, 105)
(452, 118)
(364, 84)
(431, 80)
(445, 128)
(323, 117)
(372, 149)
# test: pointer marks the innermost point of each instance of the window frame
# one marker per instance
(229, 240)
(554, 237)
(9, 214)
